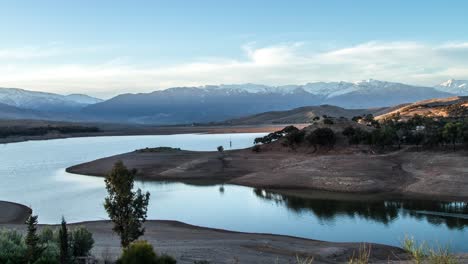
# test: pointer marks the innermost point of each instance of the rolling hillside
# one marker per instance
(456, 107)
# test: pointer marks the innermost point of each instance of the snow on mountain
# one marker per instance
(457, 87)
(83, 99)
(323, 89)
(43, 101)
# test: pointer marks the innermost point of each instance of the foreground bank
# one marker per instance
(188, 243)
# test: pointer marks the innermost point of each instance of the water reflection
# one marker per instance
(452, 214)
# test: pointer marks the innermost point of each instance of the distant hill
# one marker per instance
(12, 112)
(456, 107)
(45, 102)
(217, 103)
(302, 115)
(186, 105)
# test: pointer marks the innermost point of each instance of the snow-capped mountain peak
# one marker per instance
(458, 87)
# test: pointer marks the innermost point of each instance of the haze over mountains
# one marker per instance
(185, 105)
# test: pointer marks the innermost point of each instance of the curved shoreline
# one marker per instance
(13, 213)
(189, 243)
(427, 175)
(153, 131)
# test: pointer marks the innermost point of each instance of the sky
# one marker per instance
(104, 48)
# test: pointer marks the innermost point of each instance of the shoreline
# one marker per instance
(13, 213)
(428, 175)
(154, 131)
(189, 243)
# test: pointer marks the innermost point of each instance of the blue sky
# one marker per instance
(108, 47)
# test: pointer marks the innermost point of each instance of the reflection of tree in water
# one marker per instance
(381, 211)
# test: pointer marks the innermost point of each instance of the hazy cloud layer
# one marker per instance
(290, 63)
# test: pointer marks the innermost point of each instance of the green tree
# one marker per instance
(453, 132)
(126, 208)
(32, 240)
(82, 242)
(63, 241)
(322, 137)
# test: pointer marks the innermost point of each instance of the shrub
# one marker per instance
(46, 235)
(256, 148)
(50, 255)
(322, 137)
(295, 138)
(138, 252)
(166, 259)
(81, 242)
(328, 121)
(142, 252)
(12, 247)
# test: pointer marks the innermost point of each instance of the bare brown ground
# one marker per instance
(441, 175)
(13, 213)
(189, 243)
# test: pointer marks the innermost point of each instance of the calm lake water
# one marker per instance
(33, 173)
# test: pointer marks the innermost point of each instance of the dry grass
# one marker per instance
(421, 253)
(362, 256)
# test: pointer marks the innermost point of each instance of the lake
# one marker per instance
(33, 173)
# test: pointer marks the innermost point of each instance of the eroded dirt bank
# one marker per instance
(440, 175)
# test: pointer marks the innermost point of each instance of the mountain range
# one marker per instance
(185, 105)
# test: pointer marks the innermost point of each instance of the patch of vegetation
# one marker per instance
(322, 137)
(142, 252)
(421, 253)
(276, 135)
(48, 247)
(159, 149)
(126, 208)
(418, 130)
(363, 255)
(16, 131)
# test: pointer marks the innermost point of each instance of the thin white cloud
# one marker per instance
(409, 62)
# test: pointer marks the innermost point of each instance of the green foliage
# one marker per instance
(295, 138)
(81, 241)
(63, 242)
(357, 135)
(276, 135)
(15, 250)
(46, 235)
(166, 259)
(421, 253)
(39, 131)
(126, 208)
(159, 149)
(140, 252)
(453, 132)
(322, 137)
(12, 247)
(32, 241)
(328, 121)
(50, 255)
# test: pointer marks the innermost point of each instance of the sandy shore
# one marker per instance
(435, 175)
(189, 243)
